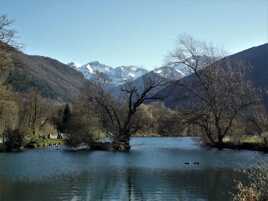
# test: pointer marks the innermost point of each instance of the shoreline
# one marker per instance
(243, 146)
(105, 146)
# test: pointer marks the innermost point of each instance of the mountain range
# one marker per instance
(62, 83)
(121, 74)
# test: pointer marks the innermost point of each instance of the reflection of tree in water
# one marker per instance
(134, 191)
(110, 185)
(135, 184)
(146, 185)
(185, 185)
(116, 185)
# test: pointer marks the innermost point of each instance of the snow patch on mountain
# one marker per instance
(171, 71)
(119, 75)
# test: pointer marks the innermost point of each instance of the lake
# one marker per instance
(156, 169)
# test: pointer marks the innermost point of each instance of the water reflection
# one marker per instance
(130, 184)
(153, 171)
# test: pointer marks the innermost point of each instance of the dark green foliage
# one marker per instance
(66, 117)
(79, 131)
(63, 119)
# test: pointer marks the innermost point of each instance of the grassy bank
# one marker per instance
(37, 143)
(40, 142)
(254, 143)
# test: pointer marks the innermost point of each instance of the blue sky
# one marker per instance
(136, 32)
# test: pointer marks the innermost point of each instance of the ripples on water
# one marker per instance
(156, 169)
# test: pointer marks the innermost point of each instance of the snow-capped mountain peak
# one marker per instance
(120, 74)
(117, 75)
(97, 66)
(89, 68)
(171, 72)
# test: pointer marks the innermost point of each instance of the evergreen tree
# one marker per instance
(65, 119)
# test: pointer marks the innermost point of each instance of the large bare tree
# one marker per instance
(7, 34)
(7, 40)
(118, 113)
(218, 91)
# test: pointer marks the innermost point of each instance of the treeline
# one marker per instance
(25, 118)
(28, 120)
(96, 115)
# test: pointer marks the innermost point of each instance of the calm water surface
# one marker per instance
(154, 170)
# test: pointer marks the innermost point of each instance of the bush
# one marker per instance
(81, 129)
(255, 188)
(13, 139)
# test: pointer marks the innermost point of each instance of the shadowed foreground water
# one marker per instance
(154, 170)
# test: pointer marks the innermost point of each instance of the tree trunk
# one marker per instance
(121, 146)
(220, 143)
(121, 143)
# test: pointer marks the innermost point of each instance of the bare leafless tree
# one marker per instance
(7, 34)
(120, 114)
(8, 104)
(7, 42)
(218, 91)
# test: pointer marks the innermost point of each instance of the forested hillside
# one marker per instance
(53, 79)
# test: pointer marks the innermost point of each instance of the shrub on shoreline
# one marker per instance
(255, 188)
